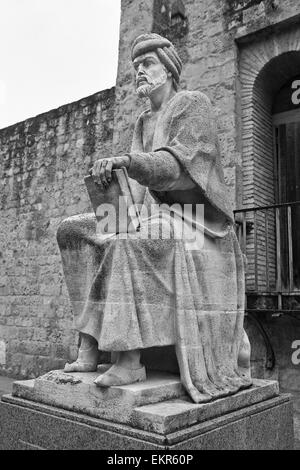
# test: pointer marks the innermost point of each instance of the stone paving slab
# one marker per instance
(6, 385)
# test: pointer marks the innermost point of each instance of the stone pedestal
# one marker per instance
(67, 411)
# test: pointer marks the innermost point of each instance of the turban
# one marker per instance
(165, 50)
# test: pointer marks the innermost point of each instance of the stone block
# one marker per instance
(157, 405)
(77, 391)
(24, 424)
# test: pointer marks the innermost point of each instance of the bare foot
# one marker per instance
(126, 370)
(86, 362)
(118, 375)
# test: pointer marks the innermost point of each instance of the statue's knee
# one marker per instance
(64, 231)
(74, 229)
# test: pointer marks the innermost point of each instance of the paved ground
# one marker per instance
(297, 432)
(6, 387)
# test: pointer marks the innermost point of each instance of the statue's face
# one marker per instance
(151, 74)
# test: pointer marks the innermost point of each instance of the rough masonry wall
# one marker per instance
(42, 164)
(136, 18)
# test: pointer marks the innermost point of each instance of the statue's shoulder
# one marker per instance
(191, 99)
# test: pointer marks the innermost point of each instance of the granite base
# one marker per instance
(26, 424)
(158, 405)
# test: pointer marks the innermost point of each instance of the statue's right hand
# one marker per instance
(102, 169)
(102, 172)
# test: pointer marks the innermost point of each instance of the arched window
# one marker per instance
(270, 221)
(286, 123)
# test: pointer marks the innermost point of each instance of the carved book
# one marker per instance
(115, 209)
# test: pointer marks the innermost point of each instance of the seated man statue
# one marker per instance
(133, 293)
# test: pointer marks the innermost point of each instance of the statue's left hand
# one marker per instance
(102, 169)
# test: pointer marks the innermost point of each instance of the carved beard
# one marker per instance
(146, 89)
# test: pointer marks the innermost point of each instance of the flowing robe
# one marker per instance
(138, 292)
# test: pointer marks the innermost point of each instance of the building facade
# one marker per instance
(245, 55)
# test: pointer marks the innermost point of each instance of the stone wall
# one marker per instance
(42, 164)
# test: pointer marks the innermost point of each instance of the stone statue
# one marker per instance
(136, 293)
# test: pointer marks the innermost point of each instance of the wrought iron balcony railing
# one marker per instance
(270, 238)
